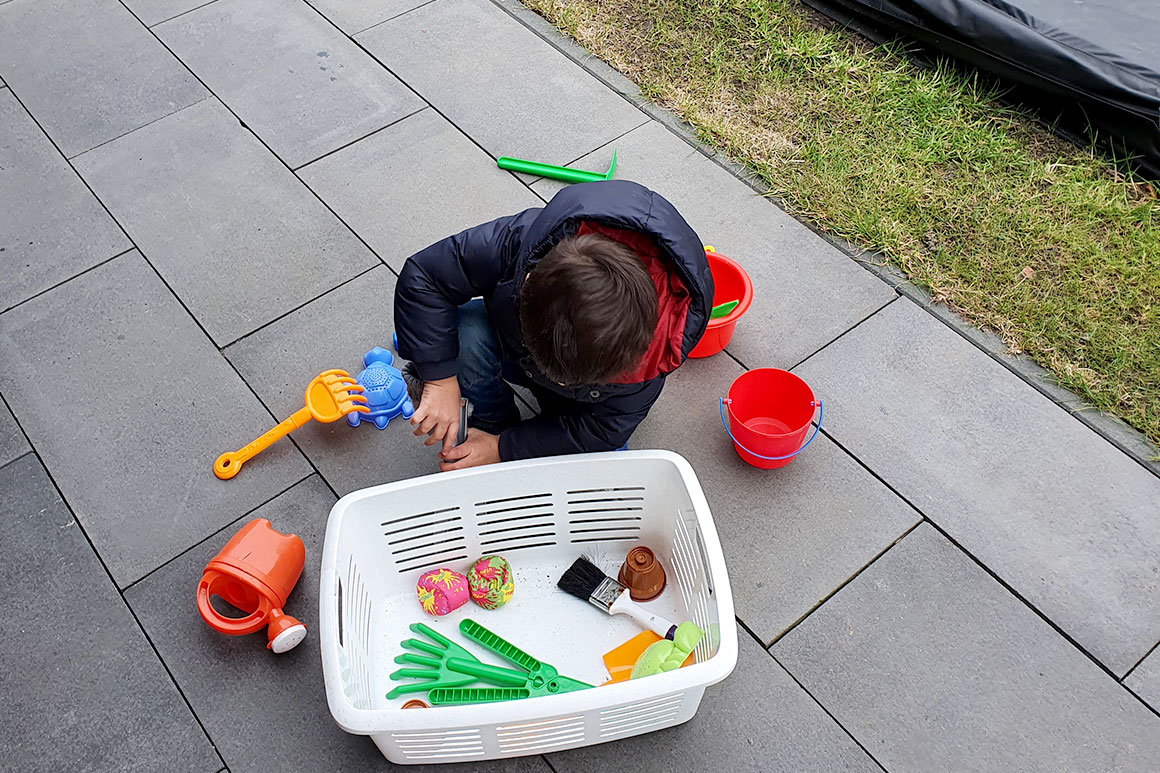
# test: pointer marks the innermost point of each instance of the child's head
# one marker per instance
(588, 311)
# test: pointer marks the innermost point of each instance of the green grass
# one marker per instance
(1049, 245)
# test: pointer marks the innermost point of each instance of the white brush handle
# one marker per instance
(624, 605)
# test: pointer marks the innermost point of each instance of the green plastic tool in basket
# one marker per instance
(447, 667)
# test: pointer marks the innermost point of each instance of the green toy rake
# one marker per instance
(447, 667)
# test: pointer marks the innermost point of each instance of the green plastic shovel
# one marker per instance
(565, 173)
(723, 309)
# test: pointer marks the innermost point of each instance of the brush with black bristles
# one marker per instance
(585, 581)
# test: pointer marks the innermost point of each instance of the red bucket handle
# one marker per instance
(817, 427)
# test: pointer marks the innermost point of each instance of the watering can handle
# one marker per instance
(725, 424)
(228, 625)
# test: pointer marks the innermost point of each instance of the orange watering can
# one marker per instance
(255, 572)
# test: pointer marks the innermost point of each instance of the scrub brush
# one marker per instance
(587, 582)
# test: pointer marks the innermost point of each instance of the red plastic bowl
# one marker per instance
(730, 283)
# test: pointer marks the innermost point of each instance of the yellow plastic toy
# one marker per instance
(330, 396)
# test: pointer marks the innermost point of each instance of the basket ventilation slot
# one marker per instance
(605, 515)
(516, 523)
(426, 539)
(356, 616)
(541, 736)
(605, 491)
(440, 746)
(640, 717)
(693, 584)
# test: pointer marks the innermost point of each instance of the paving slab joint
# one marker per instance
(16, 459)
(1128, 440)
(768, 651)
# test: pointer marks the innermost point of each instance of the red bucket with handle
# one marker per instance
(770, 411)
(730, 283)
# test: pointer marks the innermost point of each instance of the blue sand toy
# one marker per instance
(384, 389)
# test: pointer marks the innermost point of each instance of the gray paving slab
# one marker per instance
(1145, 680)
(791, 536)
(602, 70)
(88, 71)
(1047, 504)
(295, 80)
(756, 720)
(392, 187)
(329, 333)
(13, 444)
(933, 665)
(235, 234)
(51, 226)
(82, 688)
(806, 292)
(128, 404)
(1128, 439)
(354, 16)
(503, 85)
(262, 711)
(152, 12)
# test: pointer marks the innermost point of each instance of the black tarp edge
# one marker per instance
(1120, 100)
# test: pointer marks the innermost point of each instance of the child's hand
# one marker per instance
(480, 448)
(438, 413)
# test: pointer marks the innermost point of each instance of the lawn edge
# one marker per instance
(1127, 439)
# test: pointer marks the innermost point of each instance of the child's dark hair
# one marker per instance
(588, 311)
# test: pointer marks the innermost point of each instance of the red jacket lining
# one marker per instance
(664, 352)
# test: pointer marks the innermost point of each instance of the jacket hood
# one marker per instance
(613, 206)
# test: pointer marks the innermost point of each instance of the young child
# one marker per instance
(589, 302)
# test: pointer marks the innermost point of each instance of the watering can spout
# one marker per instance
(284, 632)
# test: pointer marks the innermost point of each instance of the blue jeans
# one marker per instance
(481, 381)
(493, 402)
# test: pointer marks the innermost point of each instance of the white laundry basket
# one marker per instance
(540, 514)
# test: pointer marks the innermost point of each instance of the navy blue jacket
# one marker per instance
(492, 260)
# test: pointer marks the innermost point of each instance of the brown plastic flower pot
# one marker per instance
(642, 574)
